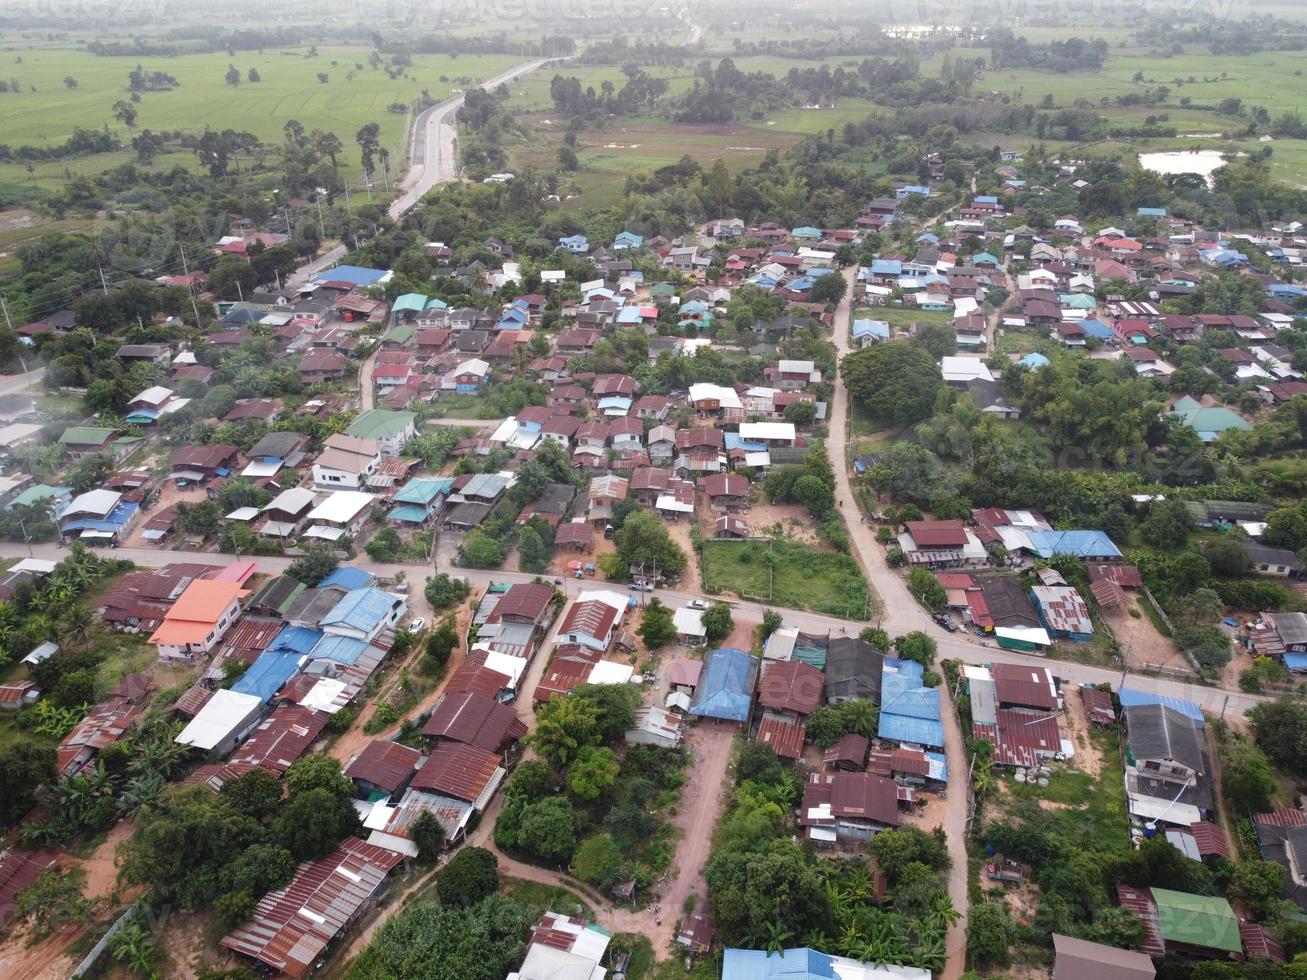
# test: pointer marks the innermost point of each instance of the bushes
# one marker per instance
(989, 935)
(829, 723)
(443, 591)
(927, 589)
(471, 875)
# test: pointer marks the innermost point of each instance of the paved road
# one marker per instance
(22, 382)
(432, 156)
(310, 269)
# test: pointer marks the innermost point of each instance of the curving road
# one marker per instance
(432, 155)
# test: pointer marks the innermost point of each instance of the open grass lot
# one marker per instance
(45, 112)
(1085, 803)
(787, 573)
(901, 318)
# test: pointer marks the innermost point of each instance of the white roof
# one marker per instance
(473, 366)
(37, 566)
(766, 430)
(955, 368)
(689, 622)
(514, 667)
(1024, 634)
(323, 695)
(260, 468)
(608, 672)
(278, 529)
(155, 395)
(342, 506)
(795, 367)
(678, 699)
(667, 502)
(17, 432)
(292, 500)
(1152, 808)
(94, 502)
(758, 459)
(325, 532)
(221, 715)
(727, 397)
(618, 600)
(547, 963)
(243, 514)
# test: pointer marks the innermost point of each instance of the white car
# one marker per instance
(415, 625)
(697, 604)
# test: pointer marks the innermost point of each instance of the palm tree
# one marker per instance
(772, 936)
(133, 947)
(74, 628)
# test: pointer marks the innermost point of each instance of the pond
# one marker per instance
(1201, 162)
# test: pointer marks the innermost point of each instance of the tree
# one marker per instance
(598, 861)
(656, 626)
(1167, 525)
(1202, 606)
(1246, 774)
(567, 159)
(53, 901)
(440, 644)
(717, 622)
(317, 562)
(318, 771)
(771, 622)
(233, 76)
(564, 726)
(471, 875)
(442, 591)
(644, 540)
(830, 723)
(125, 113)
(428, 837)
(774, 886)
(533, 554)
(254, 76)
(1228, 557)
(828, 289)
(989, 935)
(70, 82)
(926, 587)
(24, 766)
(895, 850)
(532, 780)
(1258, 884)
(801, 413)
(936, 339)
(257, 870)
(916, 646)
(447, 942)
(1280, 729)
(813, 494)
(480, 550)
(592, 773)
(256, 793)
(232, 278)
(314, 822)
(897, 382)
(548, 830)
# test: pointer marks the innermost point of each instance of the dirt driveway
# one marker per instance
(169, 493)
(1139, 639)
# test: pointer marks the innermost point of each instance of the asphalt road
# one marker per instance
(432, 156)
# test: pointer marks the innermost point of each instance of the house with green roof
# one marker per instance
(400, 335)
(44, 496)
(389, 429)
(1208, 422)
(420, 498)
(80, 441)
(1196, 922)
(408, 306)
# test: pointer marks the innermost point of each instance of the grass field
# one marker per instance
(788, 573)
(45, 112)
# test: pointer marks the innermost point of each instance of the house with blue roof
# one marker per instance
(909, 711)
(1286, 290)
(576, 244)
(1208, 421)
(408, 306)
(809, 964)
(268, 674)
(1034, 361)
(364, 613)
(1130, 696)
(628, 316)
(888, 269)
(347, 578)
(343, 650)
(1223, 258)
(418, 500)
(1085, 545)
(911, 190)
(98, 516)
(806, 232)
(726, 684)
(867, 332)
(983, 259)
(800, 285)
(1096, 328)
(627, 240)
(1151, 213)
(355, 275)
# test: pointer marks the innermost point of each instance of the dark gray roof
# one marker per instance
(1286, 846)
(1291, 627)
(555, 499)
(468, 514)
(277, 593)
(1007, 601)
(853, 669)
(1265, 555)
(276, 444)
(311, 605)
(1159, 732)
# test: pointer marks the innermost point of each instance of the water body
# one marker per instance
(1201, 162)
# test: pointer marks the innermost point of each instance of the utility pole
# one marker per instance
(103, 285)
(4, 306)
(322, 231)
(26, 537)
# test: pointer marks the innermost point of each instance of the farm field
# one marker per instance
(788, 573)
(45, 112)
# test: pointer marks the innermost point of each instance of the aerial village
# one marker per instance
(622, 583)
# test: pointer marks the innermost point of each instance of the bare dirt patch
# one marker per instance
(169, 494)
(1087, 757)
(1145, 648)
(795, 520)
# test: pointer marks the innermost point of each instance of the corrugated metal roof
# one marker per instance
(281, 738)
(384, 764)
(785, 738)
(292, 927)
(457, 770)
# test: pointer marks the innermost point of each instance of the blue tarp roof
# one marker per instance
(789, 964)
(726, 685)
(362, 609)
(1151, 212)
(1096, 328)
(268, 674)
(628, 314)
(1295, 661)
(1081, 544)
(357, 274)
(733, 441)
(1129, 697)
(341, 649)
(886, 267)
(909, 711)
(347, 577)
(989, 257)
(871, 328)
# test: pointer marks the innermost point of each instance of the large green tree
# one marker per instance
(896, 381)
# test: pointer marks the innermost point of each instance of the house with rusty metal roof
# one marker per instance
(383, 768)
(292, 927)
(474, 720)
(464, 772)
(848, 806)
